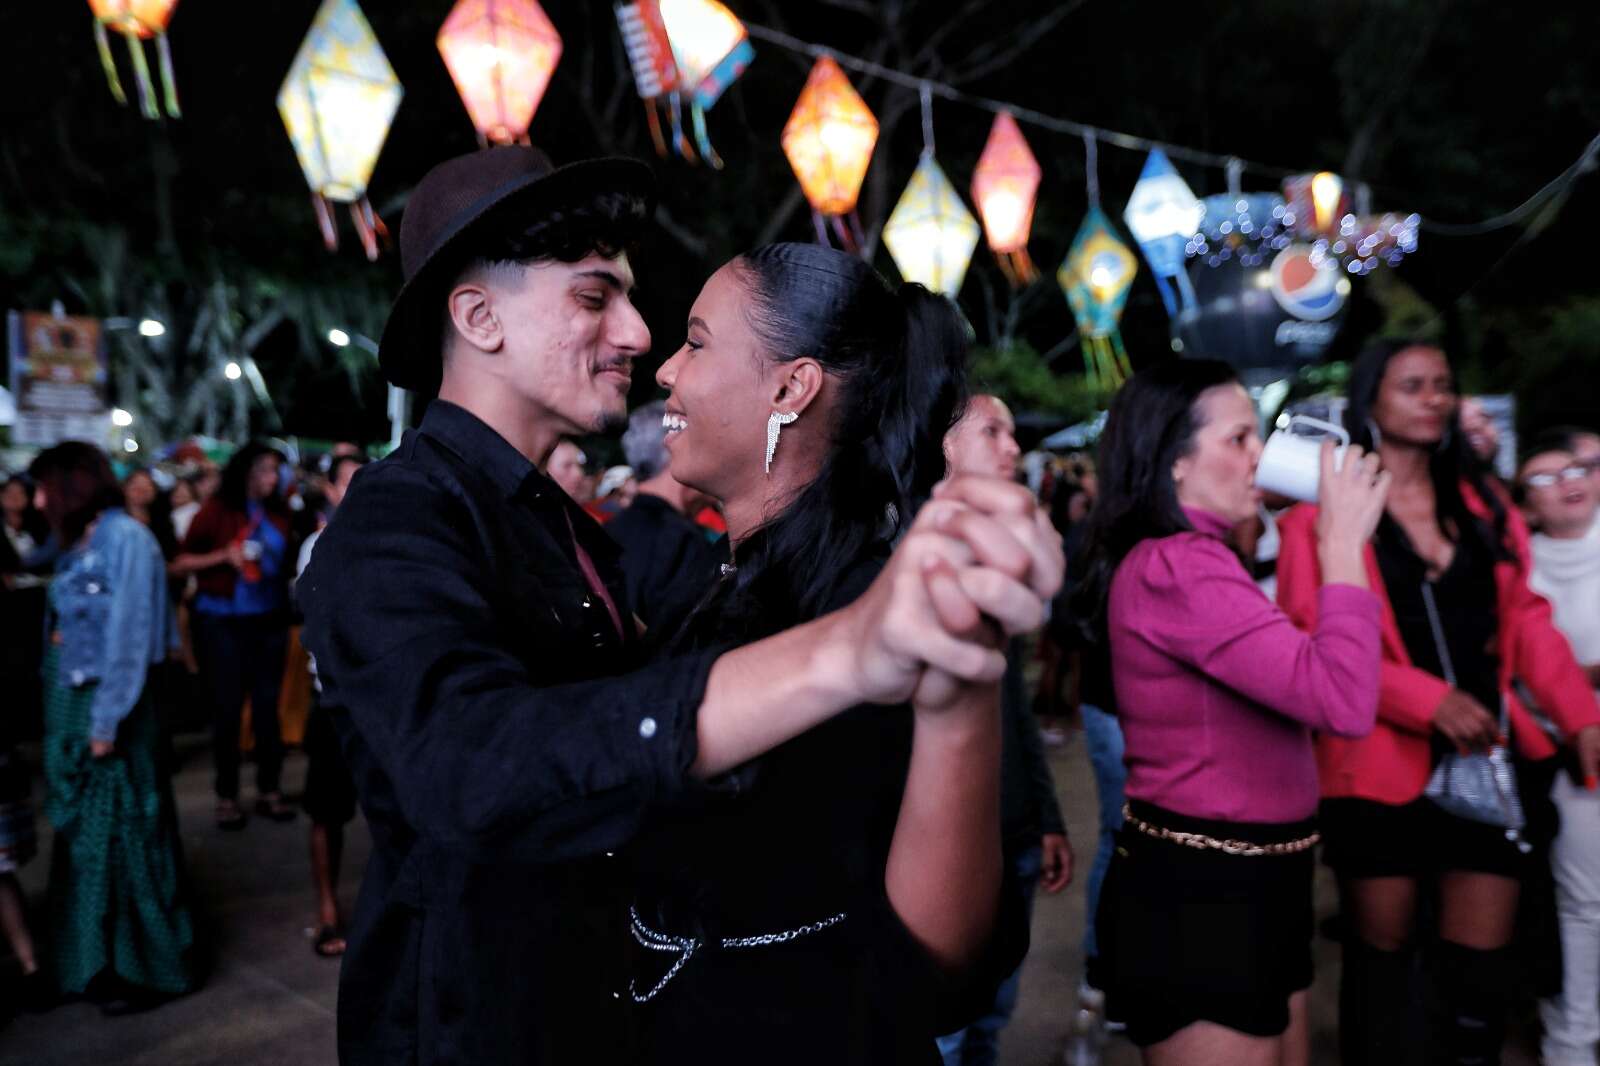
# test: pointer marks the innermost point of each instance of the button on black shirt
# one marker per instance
(502, 739)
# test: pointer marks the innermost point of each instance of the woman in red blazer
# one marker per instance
(1450, 565)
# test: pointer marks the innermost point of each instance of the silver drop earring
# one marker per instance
(775, 426)
(1377, 438)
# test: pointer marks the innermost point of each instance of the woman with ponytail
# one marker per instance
(818, 913)
(1462, 635)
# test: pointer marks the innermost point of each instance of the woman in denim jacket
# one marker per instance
(122, 933)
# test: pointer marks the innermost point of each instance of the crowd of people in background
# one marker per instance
(1236, 716)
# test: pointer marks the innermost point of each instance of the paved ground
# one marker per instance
(269, 1002)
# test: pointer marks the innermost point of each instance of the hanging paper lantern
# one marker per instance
(829, 139)
(338, 103)
(930, 233)
(1096, 276)
(1163, 215)
(501, 54)
(1004, 187)
(138, 21)
(675, 47)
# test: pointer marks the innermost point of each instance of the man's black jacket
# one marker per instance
(503, 742)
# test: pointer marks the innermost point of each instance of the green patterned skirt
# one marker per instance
(116, 891)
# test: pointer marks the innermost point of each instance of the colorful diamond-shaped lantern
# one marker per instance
(710, 45)
(137, 20)
(337, 104)
(829, 139)
(1096, 276)
(1004, 186)
(501, 54)
(930, 233)
(1163, 215)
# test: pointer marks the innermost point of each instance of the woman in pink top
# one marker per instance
(1205, 920)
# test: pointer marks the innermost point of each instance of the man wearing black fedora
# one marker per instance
(480, 660)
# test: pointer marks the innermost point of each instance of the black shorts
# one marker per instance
(1365, 838)
(1189, 935)
(330, 797)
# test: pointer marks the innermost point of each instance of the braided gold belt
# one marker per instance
(1227, 847)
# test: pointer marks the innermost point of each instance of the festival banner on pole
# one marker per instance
(59, 378)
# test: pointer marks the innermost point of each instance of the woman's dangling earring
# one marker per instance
(775, 426)
(1377, 438)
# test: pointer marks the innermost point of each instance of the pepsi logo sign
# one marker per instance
(1302, 288)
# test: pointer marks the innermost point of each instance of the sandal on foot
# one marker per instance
(229, 816)
(329, 943)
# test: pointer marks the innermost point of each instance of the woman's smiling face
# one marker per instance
(720, 399)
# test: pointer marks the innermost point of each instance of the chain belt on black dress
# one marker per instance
(686, 946)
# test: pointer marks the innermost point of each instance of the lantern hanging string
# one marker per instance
(925, 91)
(1133, 142)
(1091, 167)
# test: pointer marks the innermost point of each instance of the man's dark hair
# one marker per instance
(607, 224)
(339, 463)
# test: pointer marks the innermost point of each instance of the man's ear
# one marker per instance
(473, 316)
(797, 385)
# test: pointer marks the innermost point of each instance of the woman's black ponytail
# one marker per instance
(899, 357)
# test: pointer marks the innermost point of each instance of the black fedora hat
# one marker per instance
(455, 202)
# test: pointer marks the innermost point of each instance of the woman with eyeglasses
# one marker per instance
(1461, 627)
(1554, 492)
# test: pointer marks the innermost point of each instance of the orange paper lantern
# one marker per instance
(1004, 186)
(829, 139)
(137, 20)
(501, 54)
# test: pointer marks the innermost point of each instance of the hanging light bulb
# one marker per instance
(1326, 192)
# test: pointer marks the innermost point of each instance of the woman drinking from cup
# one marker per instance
(1205, 920)
(1449, 563)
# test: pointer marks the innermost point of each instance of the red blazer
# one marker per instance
(215, 526)
(1392, 764)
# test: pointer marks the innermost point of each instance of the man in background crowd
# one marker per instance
(330, 794)
(1033, 834)
(667, 561)
(566, 468)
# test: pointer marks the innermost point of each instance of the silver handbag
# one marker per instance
(1478, 786)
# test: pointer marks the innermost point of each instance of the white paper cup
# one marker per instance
(1291, 463)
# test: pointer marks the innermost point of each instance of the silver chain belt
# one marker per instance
(686, 946)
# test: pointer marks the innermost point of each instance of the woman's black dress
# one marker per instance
(795, 840)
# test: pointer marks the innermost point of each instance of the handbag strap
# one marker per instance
(1445, 661)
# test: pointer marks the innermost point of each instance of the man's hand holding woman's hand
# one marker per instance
(976, 567)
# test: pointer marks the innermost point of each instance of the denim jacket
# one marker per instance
(114, 617)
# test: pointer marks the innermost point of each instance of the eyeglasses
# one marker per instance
(1576, 472)
(1592, 464)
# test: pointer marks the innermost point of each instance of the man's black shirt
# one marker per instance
(667, 563)
(503, 741)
